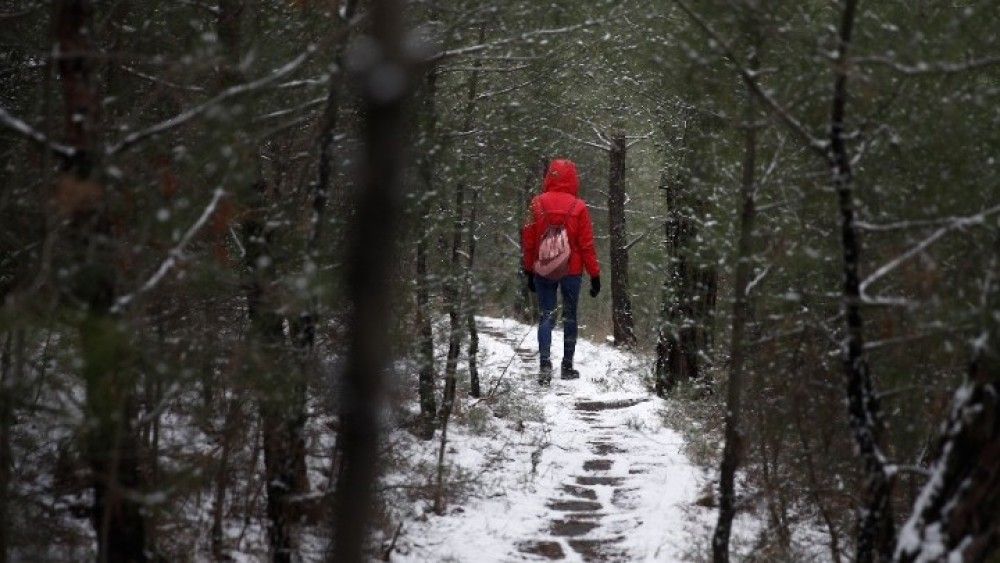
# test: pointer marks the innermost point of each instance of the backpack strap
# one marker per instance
(541, 208)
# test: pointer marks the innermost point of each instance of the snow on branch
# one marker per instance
(292, 110)
(20, 127)
(956, 223)
(593, 127)
(918, 223)
(160, 81)
(487, 95)
(470, 49)
(750, 77)
(176, 254)
(634, 140)
(921, 68)
(190, 114)
(604, 147)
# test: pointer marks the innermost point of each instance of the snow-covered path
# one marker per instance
(607, 483)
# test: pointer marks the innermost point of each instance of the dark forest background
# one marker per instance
(796, 204)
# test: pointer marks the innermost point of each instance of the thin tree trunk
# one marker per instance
(8, 384)
(280, 403)
(230, 428)
(665, 374)
(621, 303)
(457, 293)
(814, 488)
(677, 351)
(453, 295)
(876, 534)
(470, 310)
(425, 332)
(733, 450)
(267, 340)
(371, 255)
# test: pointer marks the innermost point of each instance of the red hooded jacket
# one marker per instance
(560, 189)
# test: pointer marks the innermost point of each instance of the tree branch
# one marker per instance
(506, 41)
(188, 115)
(797, 128)
(924, 68)
(20, 127)
(176, 254)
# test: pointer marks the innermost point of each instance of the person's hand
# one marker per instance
(531, 280)
(595, 286)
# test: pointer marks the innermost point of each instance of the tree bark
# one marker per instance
(267, 339)
(689, 288)
(458, 292)
(371, 256)
(425, 332)
(875, 528)
(281, 402)
(111, 441)
(8, 385)
(470, 310)
(621, 303)
(733, 450)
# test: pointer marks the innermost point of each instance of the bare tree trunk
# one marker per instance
(281, 403)
(371, 255)
(425, 332)
(688, 295)
(733, 450)
(621, 303)
(876, 534)
(111, 443)
(305, 326)
(454, 295)
(8, 386)
(234, 419)
(457, 285)
(470, 310)
(666, 342)
(267, 340)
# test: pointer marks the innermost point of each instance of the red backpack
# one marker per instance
(554, 249)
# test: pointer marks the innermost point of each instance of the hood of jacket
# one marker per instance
(562, 177)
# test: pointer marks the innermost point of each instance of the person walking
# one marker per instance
(558, 244)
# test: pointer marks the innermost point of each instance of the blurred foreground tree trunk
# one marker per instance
(371, 258)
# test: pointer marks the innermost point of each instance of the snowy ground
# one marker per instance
(581, 471)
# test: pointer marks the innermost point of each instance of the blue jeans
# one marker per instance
(570, 286)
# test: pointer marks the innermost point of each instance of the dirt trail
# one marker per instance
(609, 482)
(594, 508)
